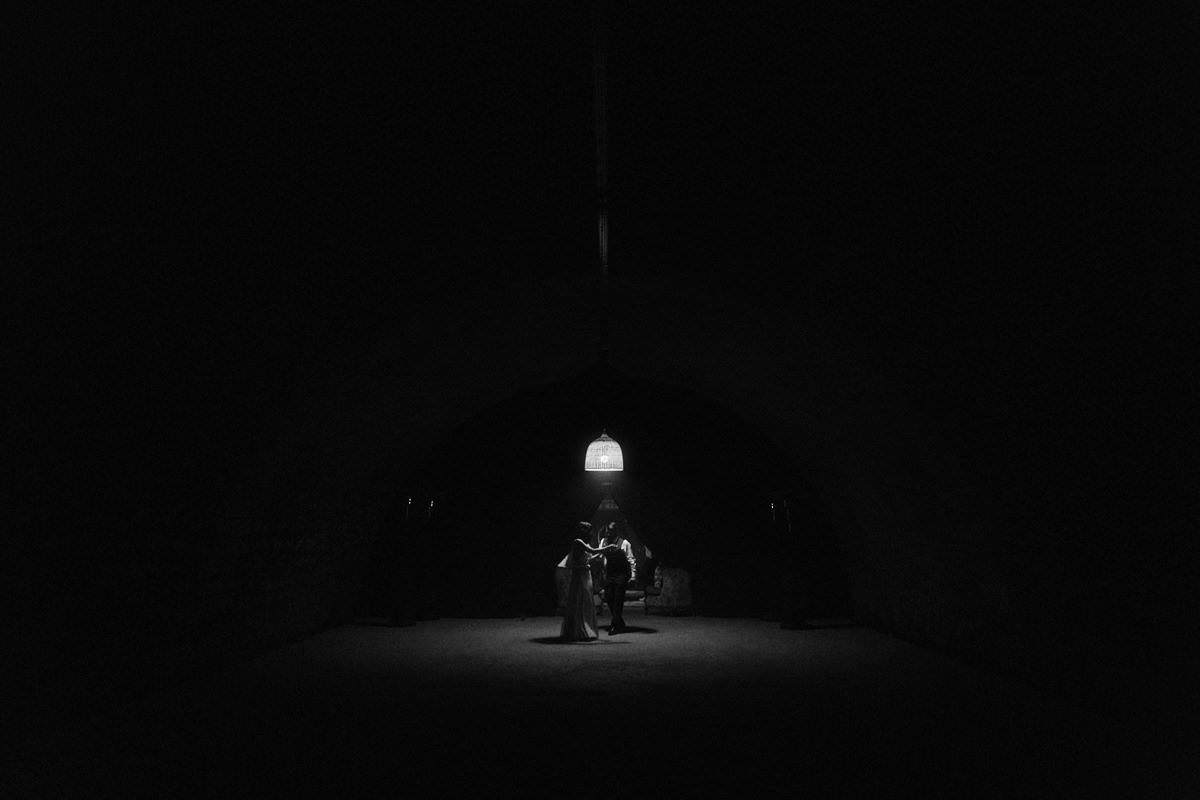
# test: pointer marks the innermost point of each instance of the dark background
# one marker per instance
(228, 223)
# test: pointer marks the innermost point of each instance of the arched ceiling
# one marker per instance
(853, 428)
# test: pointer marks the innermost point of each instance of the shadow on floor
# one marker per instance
(635, 629)
(558, 640)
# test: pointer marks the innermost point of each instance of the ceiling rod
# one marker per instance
(600, 77)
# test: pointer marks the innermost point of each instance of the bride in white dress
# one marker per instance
(579, 617)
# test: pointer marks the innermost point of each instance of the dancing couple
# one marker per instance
(620, 567)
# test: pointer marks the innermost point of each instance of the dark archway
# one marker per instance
(508, 483)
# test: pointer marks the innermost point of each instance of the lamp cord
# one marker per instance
(600, 77)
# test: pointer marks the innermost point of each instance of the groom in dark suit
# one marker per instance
(619, 569)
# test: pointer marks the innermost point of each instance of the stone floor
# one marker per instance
(675, 707)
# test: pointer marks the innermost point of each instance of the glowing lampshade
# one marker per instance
(604, 455)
